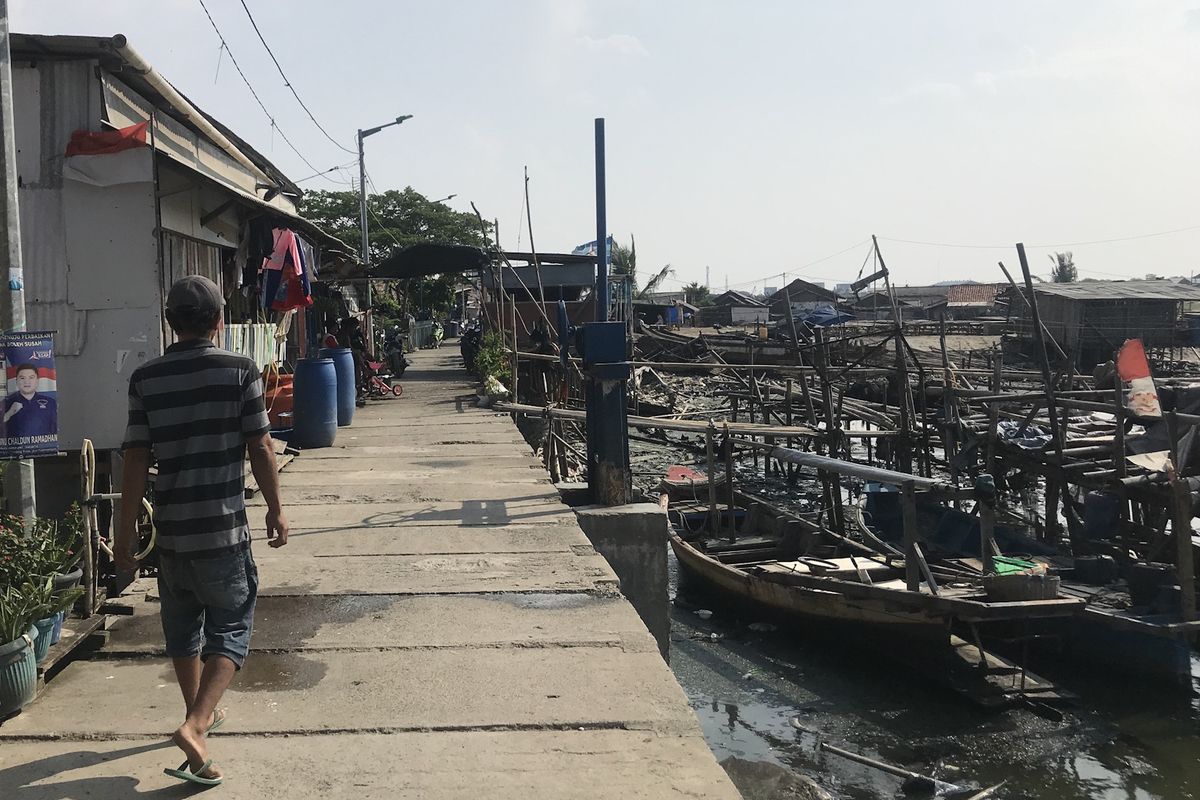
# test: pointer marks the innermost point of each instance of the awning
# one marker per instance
(429, 258)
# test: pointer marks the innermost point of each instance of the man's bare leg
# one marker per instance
(215, 678)
(187, 672)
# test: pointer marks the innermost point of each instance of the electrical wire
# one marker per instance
(326, 172)
(275, 125)
(288, 83)
(1059, 244)
(798, 270)
(371, 211)
(238, 67)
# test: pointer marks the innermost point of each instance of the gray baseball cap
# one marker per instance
(195, 291)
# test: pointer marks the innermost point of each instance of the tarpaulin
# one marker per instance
(94, 143)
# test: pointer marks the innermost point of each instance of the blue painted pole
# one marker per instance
(601, 229)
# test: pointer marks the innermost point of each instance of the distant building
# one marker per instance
(734, 308)
(804, 296)
(664, 297)
(1093, 318)
(970, 300)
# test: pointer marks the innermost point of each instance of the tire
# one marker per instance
(398, 390)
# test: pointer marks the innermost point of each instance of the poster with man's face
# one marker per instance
(30, 422)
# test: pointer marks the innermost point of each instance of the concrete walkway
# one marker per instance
(438, 626)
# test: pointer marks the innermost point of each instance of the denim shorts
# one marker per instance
(207, 604)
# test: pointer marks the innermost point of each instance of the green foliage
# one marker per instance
(1064, 268)
(697, 294)
(28, 564)
(624, 260)
(398, 219)
(433, 292)
(493, 359)
(52, 548)
(32, 600)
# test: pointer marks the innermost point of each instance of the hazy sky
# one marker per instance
(751, 137)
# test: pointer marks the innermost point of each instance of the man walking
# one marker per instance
(196, 410)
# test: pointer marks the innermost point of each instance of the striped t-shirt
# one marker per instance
(194, 407)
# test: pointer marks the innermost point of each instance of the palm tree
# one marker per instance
(697, 294)
(1064, 268)
(624, 260)
(653, 283)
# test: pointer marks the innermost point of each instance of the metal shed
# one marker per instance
(1093, 318)
(100, 255)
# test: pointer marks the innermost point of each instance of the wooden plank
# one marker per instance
(74, 633)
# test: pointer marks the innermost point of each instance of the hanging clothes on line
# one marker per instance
(284, 283)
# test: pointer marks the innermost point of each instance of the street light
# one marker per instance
(362, 194)
(444, 199)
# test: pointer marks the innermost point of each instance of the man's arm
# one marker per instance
(262, 463)
(133, 489)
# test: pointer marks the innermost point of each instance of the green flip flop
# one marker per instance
(218, 721)
(184, 773)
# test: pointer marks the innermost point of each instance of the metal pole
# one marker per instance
(601, 229)
(366, 245)
(364, 248)
(20, 480)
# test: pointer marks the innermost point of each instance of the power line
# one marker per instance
(801, 268)
(371, 211)
(1059, 244)
(245, 80)
(288, 83)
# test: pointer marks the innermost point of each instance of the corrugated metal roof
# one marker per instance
(732, 297)
(1122, 290)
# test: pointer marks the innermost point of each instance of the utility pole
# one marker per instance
(706, 283)
(362, 196)
(19, 489)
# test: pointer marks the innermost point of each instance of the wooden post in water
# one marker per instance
(1181, 523)
(912, 570)
(791, 468)
(712, 477)
(949, 421)
(729, 481)
(516, 397)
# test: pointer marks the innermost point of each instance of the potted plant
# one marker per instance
(22, 607)
(48, 550)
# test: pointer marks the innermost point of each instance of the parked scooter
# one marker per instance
(393, 352)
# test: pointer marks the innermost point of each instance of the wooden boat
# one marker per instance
(1111, 630)
(755, 553)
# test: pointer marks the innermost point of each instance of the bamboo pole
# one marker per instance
(713, 519)
(912, 571)
(515, 350)
(729, 481)
(1181, 524)
(689, 426)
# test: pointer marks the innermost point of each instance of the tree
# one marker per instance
(396, 220)
(624, 260)
(697, 294)
(1064, 268)
(653, 283)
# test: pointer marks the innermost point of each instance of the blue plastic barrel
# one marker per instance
(314, 411)
(343, 364)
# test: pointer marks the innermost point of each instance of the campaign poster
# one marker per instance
(30, 421)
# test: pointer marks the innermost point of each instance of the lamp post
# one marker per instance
(362, 195)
